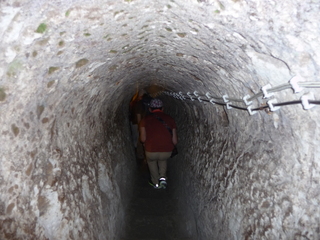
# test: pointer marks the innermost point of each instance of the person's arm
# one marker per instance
(174, 136)
(138, 118)
(143, 135)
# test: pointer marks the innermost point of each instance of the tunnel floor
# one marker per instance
(152, 213)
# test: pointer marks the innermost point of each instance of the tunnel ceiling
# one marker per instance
(207, 44)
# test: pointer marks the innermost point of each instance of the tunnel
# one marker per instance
(240, 78)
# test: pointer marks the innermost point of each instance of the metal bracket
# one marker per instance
(305, 101)
(265, 92)
(245, 99)
(228, 105)
(226, 101)
(270, 104)
(208, 95)
(181, 96)
(188, 93)
(197, 95)
(225, 98)
(294, 83)
(211, 100)
(251, 112)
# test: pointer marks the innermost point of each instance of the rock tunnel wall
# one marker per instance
(68, 71)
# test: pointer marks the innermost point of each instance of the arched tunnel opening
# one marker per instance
(69, 69)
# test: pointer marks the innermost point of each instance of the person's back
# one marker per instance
(159, 137)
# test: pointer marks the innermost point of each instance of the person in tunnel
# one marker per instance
(158, 133)
(138, 109)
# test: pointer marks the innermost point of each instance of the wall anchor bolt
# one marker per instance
(271, 106)
(305, 101)
(245, 99)
(181, 96)
(294, 83)
(197, 95)
(251, 112)
(188, 93)
(265, 89)
(211, 100)
(228, 105)
(226, 101)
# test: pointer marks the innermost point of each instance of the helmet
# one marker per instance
(156, 103)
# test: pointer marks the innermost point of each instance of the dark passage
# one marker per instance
(152, 214)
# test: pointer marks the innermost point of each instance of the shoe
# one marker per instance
(163, 183)
(156, 186)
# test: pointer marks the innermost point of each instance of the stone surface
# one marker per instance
(152, 212)
(68, 70)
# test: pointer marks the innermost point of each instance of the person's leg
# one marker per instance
(162, 162)
(153, 166)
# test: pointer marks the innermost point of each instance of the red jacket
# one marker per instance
(158, 137)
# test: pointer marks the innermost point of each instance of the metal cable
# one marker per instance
(266, 92)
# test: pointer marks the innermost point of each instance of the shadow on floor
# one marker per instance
(152, 214)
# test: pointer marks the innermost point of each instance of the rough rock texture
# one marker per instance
(68, 70)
